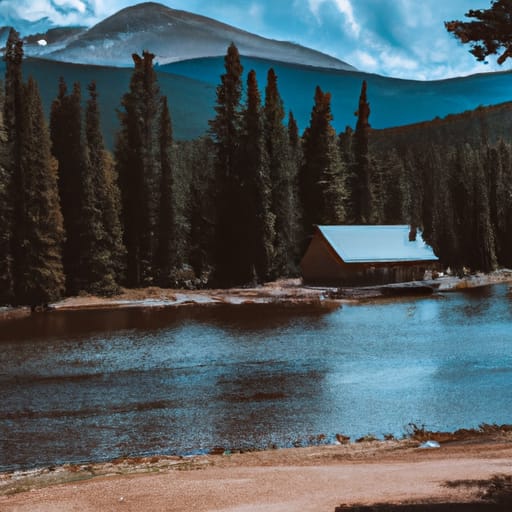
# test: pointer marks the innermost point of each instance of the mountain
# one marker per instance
(393, 102)
(24, 27)
(174, 35)
(44, 43)
(191, 101)
(191, 90)
(483, 124)
(190, 83)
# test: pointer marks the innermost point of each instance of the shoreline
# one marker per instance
(471, 454)
(392, 471)
(282, 292)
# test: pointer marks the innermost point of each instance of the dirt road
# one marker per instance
(306, 480)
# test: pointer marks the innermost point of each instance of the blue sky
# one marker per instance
(401, 38)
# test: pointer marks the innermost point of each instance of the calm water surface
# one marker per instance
(81, 386)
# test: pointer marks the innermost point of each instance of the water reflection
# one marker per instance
(83, 324)
(97, 385)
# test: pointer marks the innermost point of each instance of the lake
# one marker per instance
(82, 386)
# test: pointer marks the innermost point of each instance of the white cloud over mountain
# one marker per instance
(402, 38)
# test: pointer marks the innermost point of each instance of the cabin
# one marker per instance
(366, 255)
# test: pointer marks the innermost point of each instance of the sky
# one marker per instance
(399, 38)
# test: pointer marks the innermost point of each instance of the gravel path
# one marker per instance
(306, 480)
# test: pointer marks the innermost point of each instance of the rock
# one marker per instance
(430, 444)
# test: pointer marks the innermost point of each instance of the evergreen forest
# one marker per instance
(235, 207)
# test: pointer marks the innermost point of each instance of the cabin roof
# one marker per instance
(376, 244)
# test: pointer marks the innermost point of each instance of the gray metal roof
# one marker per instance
(367, 244)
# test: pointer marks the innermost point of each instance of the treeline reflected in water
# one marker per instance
(82, 323)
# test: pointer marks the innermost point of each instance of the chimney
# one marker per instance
(412, 234)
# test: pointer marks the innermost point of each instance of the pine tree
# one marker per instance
(484, 240)
(346, 152)
(100, 232)
(138, 167)
(322, 189)
(293, 131)
(471, 210)
(166, 254)
(201, 208)
(258, 236)
(361, 200)
(444, 223)
(499, 169)
(283, 176)
(413, 192)
(13, 179)
(226, 131)
(388, 189)
(40, 277)
(6, 209)
(68, 148)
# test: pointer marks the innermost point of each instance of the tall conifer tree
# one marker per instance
(201, 208)
(138, 167)
(6, 208)
(499, 169)
(13, 173)
(361, 199)
(283, 173)
(166, 254)
(226, 131)
(322, 177)
(68, 148)
(257, 218)
(100, 233)
(40, 272)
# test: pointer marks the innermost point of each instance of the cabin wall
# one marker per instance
(320, 263)
(321, 266)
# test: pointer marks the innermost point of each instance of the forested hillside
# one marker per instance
(236, 206)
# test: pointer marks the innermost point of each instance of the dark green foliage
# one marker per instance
(31, 245)
(440, 221)
(458, 197)
(201, 207)
(68, 148)
(498, 163)
(388, 189)
(12, 172)
(226, 132)
(255, 217)
(484, 252)
(322, 176)
(345, 141)
(283, 166)
(6, 209)
(166, 258)
(412, 192)
(39, 276)
(361, 198)
(101, 249)
(13, 86)
(138, 167)
(293, 132)
(488, 33)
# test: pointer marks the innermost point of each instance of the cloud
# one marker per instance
(344, 7)
(59, 12)
(402, 38)
(70, 5)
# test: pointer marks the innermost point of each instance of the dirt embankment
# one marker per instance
(285, 291)
(475, 471)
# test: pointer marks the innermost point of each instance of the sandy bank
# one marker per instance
(304, 479)
(285, 291)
